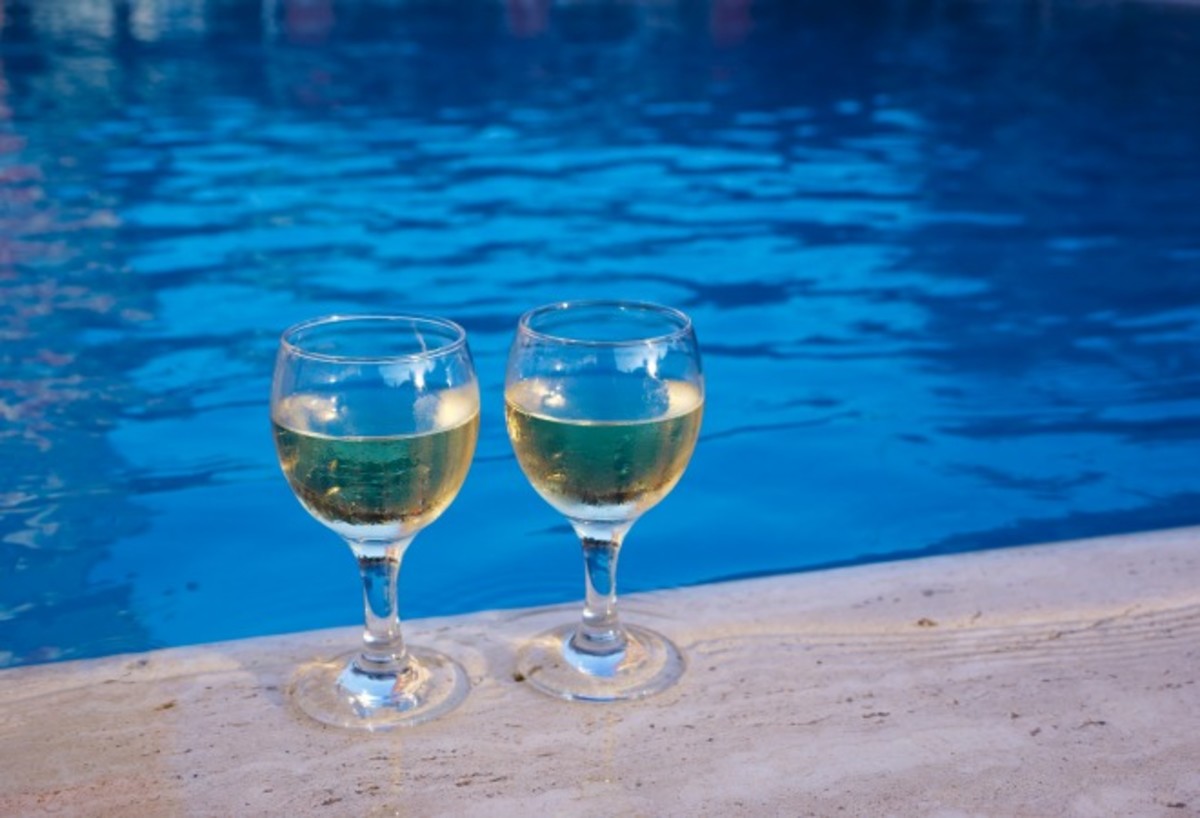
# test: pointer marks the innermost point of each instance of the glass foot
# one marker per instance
(339, 693)
(648, 664)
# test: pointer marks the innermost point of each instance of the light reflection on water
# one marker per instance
(943, 261)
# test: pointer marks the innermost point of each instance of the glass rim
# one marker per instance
(454, 344)
(683, 328)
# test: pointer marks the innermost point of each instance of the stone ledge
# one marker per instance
(1051, 680)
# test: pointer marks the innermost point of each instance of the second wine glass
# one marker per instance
(603, 401)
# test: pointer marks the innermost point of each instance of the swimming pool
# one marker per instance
(943, 261)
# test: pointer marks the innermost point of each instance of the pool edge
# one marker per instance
(1051, 679)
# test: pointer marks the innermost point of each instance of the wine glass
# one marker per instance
(375, 420)
(603, 401)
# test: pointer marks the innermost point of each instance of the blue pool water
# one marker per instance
(943, 260)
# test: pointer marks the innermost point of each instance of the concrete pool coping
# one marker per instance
(1050, 680)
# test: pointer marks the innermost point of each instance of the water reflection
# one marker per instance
(730, 21)
(942, 258)
(528, 18)
(58, 509)
(312, 22)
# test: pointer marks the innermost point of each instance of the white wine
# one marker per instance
(375, 486)
(589, 462)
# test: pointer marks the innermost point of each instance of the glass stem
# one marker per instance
(600, 631)
(383, 645)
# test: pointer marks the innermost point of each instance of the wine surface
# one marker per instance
(356, 483)
(602, 469)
